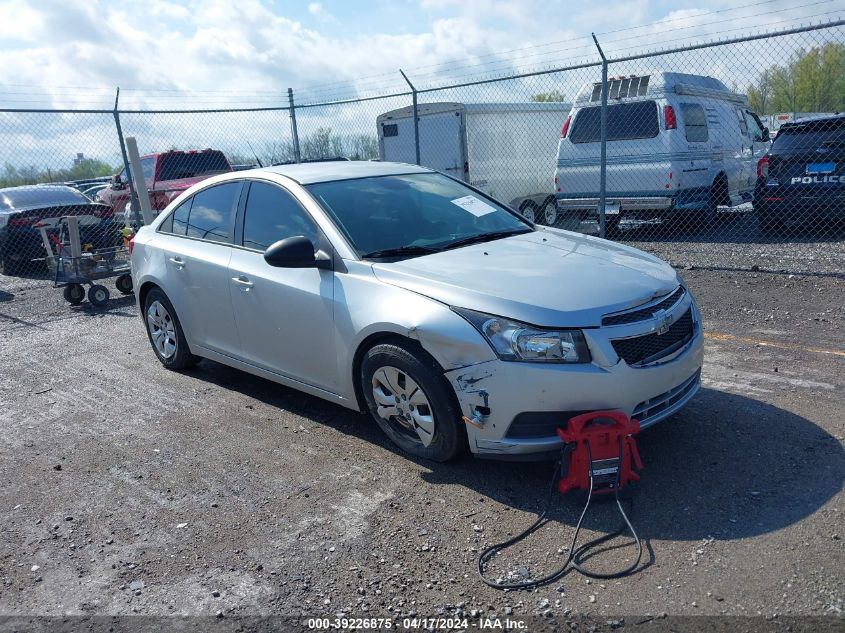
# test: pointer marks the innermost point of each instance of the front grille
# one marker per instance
(644, 313)
(533, 424)
(651, 347)
(647, 410)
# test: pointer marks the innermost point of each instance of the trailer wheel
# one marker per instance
(550, 213)
(124, 284)
(98, 295)
(74, 294)
(529, 211)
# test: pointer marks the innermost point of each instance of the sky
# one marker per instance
(78, 51)
(169, 54)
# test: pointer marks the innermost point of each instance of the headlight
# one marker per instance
(512, 340)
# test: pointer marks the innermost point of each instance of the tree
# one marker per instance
(551, 96)
(814, 81)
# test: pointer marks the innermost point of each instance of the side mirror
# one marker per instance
(296, 252)
(116, 182)
(766, 136)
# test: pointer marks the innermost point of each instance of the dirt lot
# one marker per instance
(130, 489)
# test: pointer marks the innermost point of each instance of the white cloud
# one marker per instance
(201, 53)
(318, 11)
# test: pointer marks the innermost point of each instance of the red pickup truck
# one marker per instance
(167, 174)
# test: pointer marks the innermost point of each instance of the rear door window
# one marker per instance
(625, 121)
(177, 223)
(212, 213)
(695, 122)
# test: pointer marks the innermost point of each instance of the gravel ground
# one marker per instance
(128, 489)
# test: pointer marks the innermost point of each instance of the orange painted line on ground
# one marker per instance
(719, 336)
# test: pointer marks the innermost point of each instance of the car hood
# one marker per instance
(548, 278)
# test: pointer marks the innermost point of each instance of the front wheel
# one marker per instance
(98, 295)
(411, 401)
(530, 212)
(74, 294)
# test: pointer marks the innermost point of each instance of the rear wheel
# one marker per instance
(124, 284)
(165, 332)
(550, 213)
(611, 228)
(411, 401)
(770, 227)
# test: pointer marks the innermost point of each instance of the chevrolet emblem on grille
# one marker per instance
(661, 322)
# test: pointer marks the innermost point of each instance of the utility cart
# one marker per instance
(76, 265)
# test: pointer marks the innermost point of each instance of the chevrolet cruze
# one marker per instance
(400, 291)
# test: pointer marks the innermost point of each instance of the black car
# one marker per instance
(24, 209)
(802, 178)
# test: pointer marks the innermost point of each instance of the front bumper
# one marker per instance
(527, 401)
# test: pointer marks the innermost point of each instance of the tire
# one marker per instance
(549, 213)
(408, 385)
(98, 295)
(611, 228)
(770, 227)
(124, 284)
(74, 294)
(530, 212)
(9, 266)
(160, 317)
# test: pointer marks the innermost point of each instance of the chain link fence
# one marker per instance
(722, 155)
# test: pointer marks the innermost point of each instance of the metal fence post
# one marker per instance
(293, 130)
(603, 159)
(416, 118)
(133, 197)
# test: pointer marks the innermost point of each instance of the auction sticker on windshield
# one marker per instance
(474, 205)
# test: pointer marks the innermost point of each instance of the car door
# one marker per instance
(285, 316)
(197, 243)
(757, 147)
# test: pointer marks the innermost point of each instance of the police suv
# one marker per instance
(802, 178)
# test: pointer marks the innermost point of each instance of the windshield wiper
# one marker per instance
(399, 251)
(484, 237)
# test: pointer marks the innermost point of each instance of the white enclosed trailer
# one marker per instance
(503, 149)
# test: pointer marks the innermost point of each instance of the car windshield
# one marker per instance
(411, 214)
(15, 198)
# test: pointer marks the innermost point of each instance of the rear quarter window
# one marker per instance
(625, 121)
(695, 122)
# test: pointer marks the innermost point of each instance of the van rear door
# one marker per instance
(635, 153)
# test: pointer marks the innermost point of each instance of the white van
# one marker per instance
(502, 149)
(678, 146)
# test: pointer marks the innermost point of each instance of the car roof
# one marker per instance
(802, 122)
(27, 197)
(309, 173)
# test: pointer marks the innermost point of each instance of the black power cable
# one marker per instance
(575, 556)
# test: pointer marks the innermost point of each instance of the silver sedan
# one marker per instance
(403, 292)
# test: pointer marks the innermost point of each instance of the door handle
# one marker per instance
(177, 261)
(243, 281)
